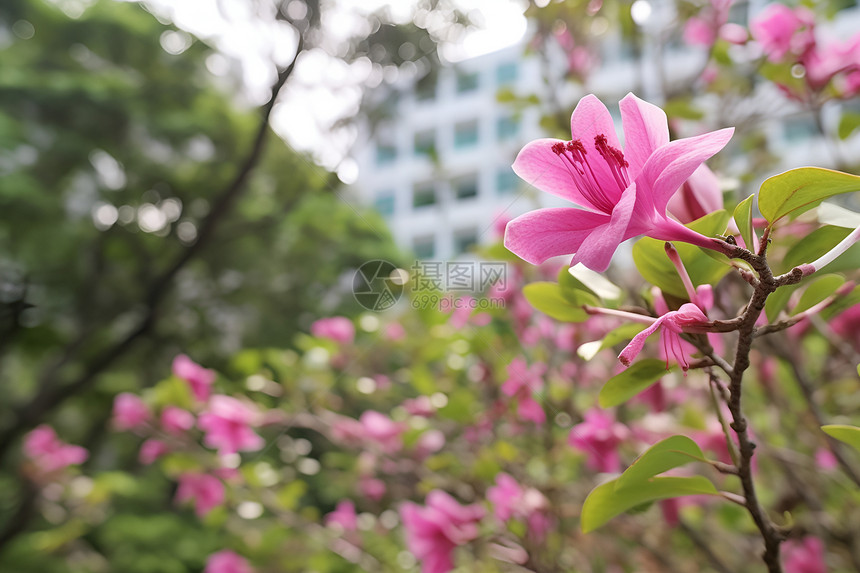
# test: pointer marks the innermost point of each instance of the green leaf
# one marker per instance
(548, 298)
(743, 219)
(595, 282)
(813, 246)
(608, 500)
(818, 290)
(777, 301)
(799, 190)
(633, 380)
(589, 350)
(848, 123)
(575, 291)
(650, 258)
(666, 454)
(844, 433)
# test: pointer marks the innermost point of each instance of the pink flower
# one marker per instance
(420, 406)
(206, 491)
(151, 450)
(343, 515)
(394, 331)
(176, 421)
(825, 459)
(337, 328)
(509, 500)
(621, 194)
(782, 31)
(699, 32)
(49, 453)
(847, 325)
(521, 382)
(372, 488)
(432, 532)
(599, 436)
(227, 561)
(673, 323)
(697, 197)
(227, 423)
(804, 556)
(129, 412)
(199, 379)
(382, 430)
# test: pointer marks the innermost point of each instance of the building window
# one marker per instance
(507, 128)
(467, 82)
(424, 143)
(424, 246)
(386, 153)
(506, 74)
(466, 134)
(423, 195)
(384, 203)
(506, 181)
(465, 187)
(464, 240)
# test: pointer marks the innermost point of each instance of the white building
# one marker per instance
(440, 169)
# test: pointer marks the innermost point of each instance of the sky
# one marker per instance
(323, 88)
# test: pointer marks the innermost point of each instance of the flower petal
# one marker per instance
(538, 165)
(545, 233)
(635, 346)
(646, 129)
(668, 167)
(597, 250)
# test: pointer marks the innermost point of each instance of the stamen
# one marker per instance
(573, 155)
(614, 159)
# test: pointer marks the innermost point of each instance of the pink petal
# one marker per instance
(530, 410)
(632, 350)
(667, 169)
(646, 129)
(539, 235)
(538, 165)
(597, 250)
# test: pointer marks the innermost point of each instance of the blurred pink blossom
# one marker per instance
(804, 556)
(151, 450)
(433, 531)
(227, 423)
(394, 331)
(847, 325)
(343, 515)
(49, 453)
(599, 436)
(129, 412)
(782, 31)
(199, 379)
(825, 459)
(176, 421)
(521, 383)
(382, 430)
(373, 488)
(206, 491)
(227, 561)
(420, 406)
(337, 328)
(509, 500)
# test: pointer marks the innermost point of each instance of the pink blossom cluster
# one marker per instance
(787, 35)
(48, 453)
(434, 530)
(511, 500)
